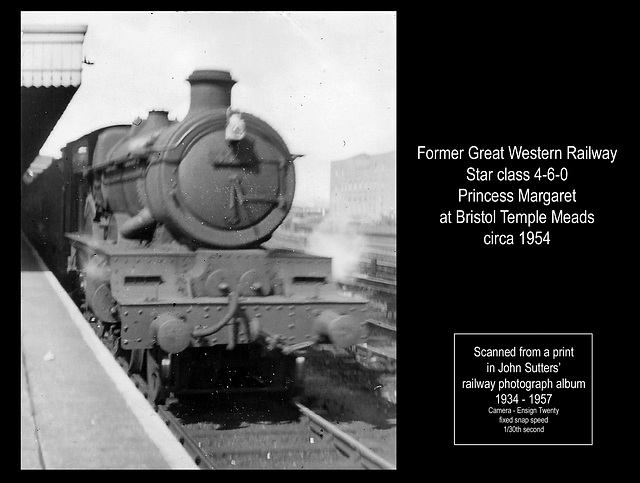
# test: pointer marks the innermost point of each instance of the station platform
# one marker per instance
(79, 410)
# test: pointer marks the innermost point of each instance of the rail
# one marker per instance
(344, 443)
(192, 448)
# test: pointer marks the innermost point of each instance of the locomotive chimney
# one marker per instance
(210, 89)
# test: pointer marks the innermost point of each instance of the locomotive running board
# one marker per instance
(149, 282)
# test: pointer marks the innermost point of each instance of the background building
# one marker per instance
(363, 187)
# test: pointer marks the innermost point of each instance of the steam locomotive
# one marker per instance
(158, 230)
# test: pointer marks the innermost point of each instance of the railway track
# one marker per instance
(192, 447)
(267, 433)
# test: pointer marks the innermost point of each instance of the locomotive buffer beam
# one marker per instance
(340, 330)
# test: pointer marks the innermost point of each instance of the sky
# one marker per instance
(326, 81)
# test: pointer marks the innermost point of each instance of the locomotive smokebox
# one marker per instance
(210, 89)
(342, 330)
(219, 178)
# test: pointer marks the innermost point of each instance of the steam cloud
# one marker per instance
(97, 269)
(335, 238)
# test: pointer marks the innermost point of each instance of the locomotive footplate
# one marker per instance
(278, 322)
(176, 299)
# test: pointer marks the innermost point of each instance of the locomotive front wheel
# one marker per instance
(120, 354)
(136, 360)
(157, 392)
(95, 324)
(111, 339)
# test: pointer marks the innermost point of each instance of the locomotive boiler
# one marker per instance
(165, 226)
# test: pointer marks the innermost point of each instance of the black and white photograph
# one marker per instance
(208, 240)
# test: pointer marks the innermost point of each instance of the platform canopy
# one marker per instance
(51, 74)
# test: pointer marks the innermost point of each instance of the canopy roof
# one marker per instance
(51, 74)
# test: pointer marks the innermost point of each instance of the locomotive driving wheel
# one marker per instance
(158, 374)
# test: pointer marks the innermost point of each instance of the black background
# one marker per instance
(491, 79)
